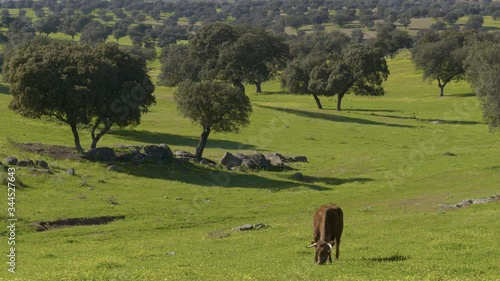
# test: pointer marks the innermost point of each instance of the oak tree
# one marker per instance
(217, 107)
(94, 87)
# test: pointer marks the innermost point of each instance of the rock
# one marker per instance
(100, 154)
(260, 160)
(70, 171)
(184, 159)
(139, 158)
(11, 160)
(449, 154)
(298, 176)
(178, 198)
(275, 160)
(134, 156)
(182, 153)
(25, 163)
(159, 153)
(229, 160)
(486, 199)
(249, 227)
(259, 225)
(468, 202)
(437, 122)
(243, 227)
(288, 159)
(113, 168)
(42, 164)
(249, 164)
(130, 147)
(240, 155)
(300, 159)
(464, 203)
(270, 155)
(47, 171)
(207, 162)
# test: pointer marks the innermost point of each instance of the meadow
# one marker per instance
(386, 161)
(383, 160)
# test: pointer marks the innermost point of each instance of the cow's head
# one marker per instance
(323, 251)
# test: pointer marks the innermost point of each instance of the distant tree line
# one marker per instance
(211, 70)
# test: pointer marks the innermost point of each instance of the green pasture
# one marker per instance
(383, 160)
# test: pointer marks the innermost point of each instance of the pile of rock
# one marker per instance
(182, 155)
(38, 165)
(258, 160)
(160, 154)
(468, 202)
(246, 227)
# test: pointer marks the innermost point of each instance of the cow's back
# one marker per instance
(334, 222)
(328, 223)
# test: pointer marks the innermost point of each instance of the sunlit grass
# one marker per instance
(381, 160)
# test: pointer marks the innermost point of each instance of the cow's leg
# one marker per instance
(330, 257)
(337, 245)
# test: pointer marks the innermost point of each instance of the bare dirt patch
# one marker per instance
(55, 151)
(50, 225)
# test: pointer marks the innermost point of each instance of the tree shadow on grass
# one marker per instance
(269, 93)
(393, 258)
(4, 89)
(312, 182)
(464, 95)
(458, 122)
(332, 181)
(334, 118)
(171, 139)
(490, 28)
(372, 110)
(187, 172)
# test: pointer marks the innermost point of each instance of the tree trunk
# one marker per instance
(105, 130)
(441, 87)
(259, 89)
(339, 101)
(239, 85)
(76, 138)
(202, 143)
(318, 102)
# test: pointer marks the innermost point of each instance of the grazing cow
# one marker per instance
(328, 223)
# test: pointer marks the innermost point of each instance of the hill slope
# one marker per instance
(384, 160)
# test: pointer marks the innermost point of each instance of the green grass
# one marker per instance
(380, 159)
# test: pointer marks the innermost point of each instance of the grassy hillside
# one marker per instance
(382, 160)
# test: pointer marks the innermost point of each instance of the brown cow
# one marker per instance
(328, 223)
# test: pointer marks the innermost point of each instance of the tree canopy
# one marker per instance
(483, 72)
(97, 87)
(358, 69)
(222, 52)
